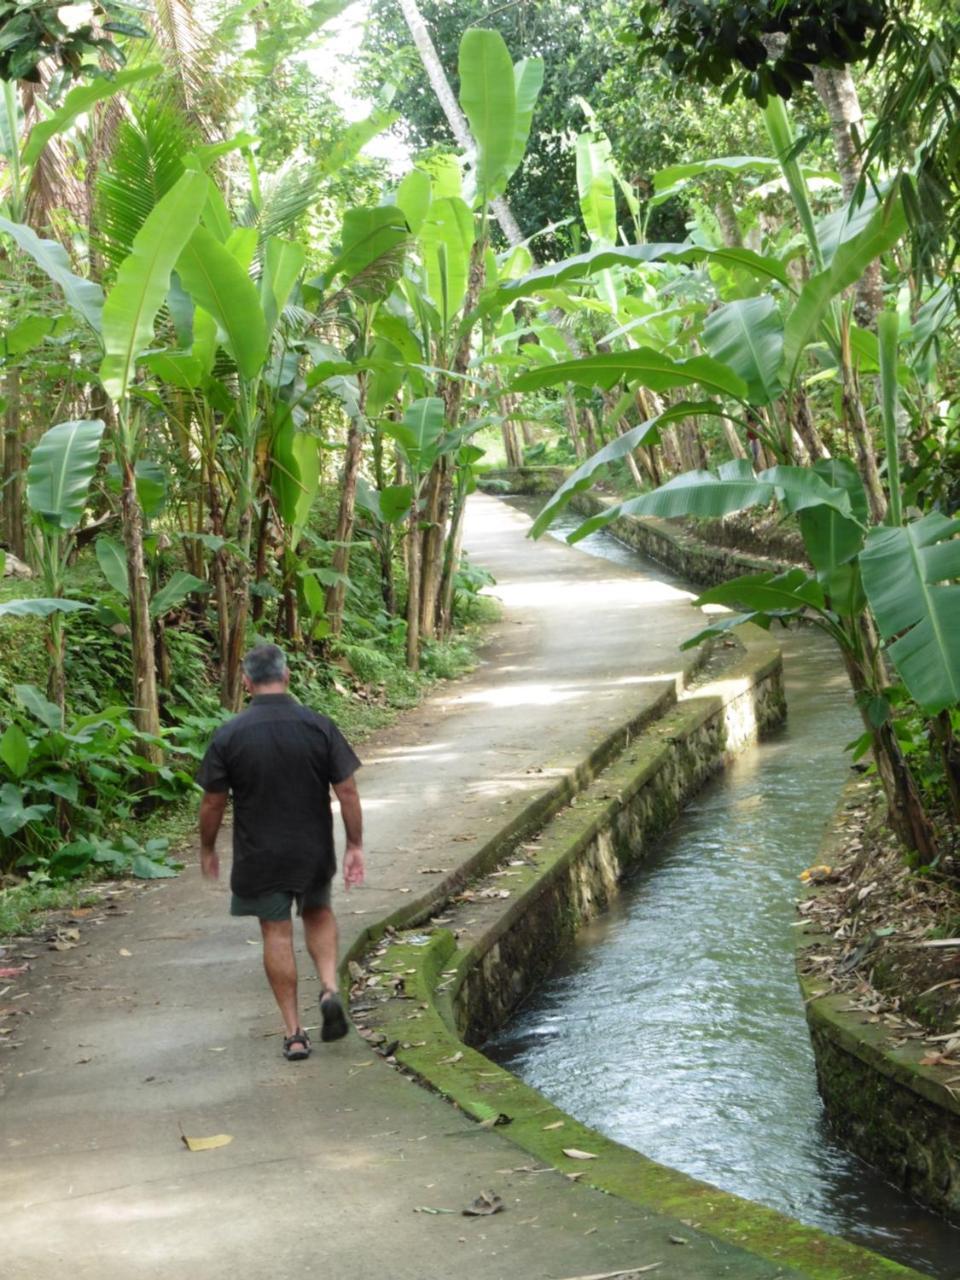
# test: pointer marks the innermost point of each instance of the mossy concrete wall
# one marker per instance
(899, 1114)
(611, 829)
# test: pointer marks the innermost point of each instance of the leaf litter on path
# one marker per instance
(486, 1203)
(206, 1144)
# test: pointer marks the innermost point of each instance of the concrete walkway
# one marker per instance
(160, 1021)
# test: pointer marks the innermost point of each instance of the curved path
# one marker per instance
(160, 1020)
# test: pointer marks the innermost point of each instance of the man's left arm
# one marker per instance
(212, 808)
(350, 811)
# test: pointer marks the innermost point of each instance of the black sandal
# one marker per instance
(333, 1017)
(296, 1055)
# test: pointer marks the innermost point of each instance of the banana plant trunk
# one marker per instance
(436, 509)
(340, 562)
(146, 712)
(11, 486)
(856, 420)
(452, 562)
(907, 814)
(413, 586)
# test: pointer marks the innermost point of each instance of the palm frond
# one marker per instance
(190, 53)
(145, 162)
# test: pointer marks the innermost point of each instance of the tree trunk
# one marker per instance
(508, 429)
(348, 502)
(436, 506)
(452, 564)
(856, 420)
(573, 429)
(256, 608)
(451, 109)
(838, 93)
(906, 814)
(14, 531)
(733, 440)
(806, 428)
(727, 218)
(146, 713)
(413, 587)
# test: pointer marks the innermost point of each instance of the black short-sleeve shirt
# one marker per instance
(278, 759)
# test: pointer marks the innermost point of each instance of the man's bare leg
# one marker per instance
(320, 935)
(281, 966)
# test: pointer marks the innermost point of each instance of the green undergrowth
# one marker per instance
(96, 811)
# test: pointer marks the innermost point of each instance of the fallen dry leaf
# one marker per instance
(557, 1124)
(575, 1154)
(610, 1275)
(124, 952)
(486, 1203)
(14, 973)
(448, 1062)
(206, 1144)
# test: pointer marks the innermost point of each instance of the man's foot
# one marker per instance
(332, 1016)
(297, 1046)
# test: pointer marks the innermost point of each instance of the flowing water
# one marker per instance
(675, 1025)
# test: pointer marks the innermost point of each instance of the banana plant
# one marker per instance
(62, 466)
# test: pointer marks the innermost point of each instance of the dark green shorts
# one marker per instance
(276, 905)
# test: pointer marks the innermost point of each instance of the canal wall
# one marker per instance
(895, 1111)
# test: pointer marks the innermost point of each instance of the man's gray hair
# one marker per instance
(265, 664)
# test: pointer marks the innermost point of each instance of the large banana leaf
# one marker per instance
(767, 593)
(643, 366)
(218, 283)
(295, 476)
(144, 279)
(909, 575)
(830, 538)
(598, 201)
(371, 244)
(446, 239)
(113, 564)
(418, 434)
(647, 432)
(671, 181)
(282, 263)
(488, 95)
(884, 228)
(733, 487)
(413, 198)
(175, 591)
(62, 466)
(77, 103)
(85, 297)
(41, 607)
(528, 81)
(747, 336)
(584, 265)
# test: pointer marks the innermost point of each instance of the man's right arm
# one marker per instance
(212, 807)
(353, 864)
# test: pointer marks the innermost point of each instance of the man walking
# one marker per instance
(278, 759)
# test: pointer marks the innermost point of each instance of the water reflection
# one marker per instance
(685, 991)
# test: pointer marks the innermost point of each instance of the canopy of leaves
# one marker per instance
(724, 43)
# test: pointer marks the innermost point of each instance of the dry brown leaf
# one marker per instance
(576, 1154)
(207, 1144)
(486, 1203)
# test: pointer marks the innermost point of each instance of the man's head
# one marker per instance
(265, 670)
